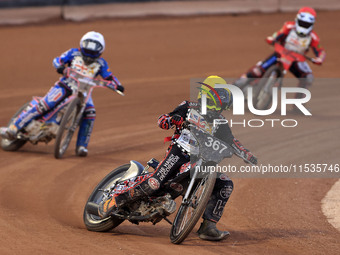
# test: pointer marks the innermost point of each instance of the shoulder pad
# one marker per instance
(101, 61)
(75, 52)
(287, 26)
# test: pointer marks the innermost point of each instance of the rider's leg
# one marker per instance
(85, 129)
(214, 210)
(55, 95)
(256, 71)
(303, 72)
(173, 160)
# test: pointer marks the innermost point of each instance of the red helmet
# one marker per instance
(305, 20)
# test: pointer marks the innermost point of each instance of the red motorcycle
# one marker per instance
(273, 77)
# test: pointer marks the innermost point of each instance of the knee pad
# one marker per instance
(223, 186)
(307, 81)
(255, 72)
(90, 113)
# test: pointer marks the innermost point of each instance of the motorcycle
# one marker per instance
(61, 122)
(273, 77)
(191, 183)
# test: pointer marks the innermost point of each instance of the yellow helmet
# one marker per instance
(218, 99)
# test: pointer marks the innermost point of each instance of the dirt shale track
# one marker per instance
(42, 199)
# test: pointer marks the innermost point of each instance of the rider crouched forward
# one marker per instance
(86, 60)
(177, 157)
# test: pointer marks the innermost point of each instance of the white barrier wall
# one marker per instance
(169, 8)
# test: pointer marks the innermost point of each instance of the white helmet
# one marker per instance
(305, 20)
(92, 45)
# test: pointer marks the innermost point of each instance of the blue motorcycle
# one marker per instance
(61, 122)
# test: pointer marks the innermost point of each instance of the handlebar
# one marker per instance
(89, 81)
(283, 51)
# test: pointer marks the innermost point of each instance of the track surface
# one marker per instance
(42, 199)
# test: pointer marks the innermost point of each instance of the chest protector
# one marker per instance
(87, 70)
(296, 43)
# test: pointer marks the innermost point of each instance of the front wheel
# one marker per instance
(67, 128)
(94, 222)
(264, 96)
(16, 144)
(189, 213)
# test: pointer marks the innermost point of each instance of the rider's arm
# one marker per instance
(65, 58)
(317, 49)
(242, 152)
(280, 35)
(224, 133)
(174, 118)
(105, 72)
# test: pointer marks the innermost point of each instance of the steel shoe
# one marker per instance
(81, 151)
(208, 231)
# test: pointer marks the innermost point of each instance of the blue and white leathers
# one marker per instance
(62, 90)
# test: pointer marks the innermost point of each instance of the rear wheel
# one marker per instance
(16, 144)
(264, 95)
(189, 213)
(94, 222)
(67, 128)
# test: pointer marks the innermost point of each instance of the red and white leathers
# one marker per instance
(291, 40)
(288, 36)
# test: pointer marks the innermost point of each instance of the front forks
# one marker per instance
(191, 184)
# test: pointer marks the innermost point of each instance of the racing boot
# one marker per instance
(81, 151)
(208, 231)
(9, 132)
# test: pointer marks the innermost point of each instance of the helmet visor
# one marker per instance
(91, 48)
(304, 24)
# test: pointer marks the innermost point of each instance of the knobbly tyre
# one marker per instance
(192, 185)
(273, 77)
(59, 123)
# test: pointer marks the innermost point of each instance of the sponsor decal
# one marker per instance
(185, 167)
(55, 94)
(225, 192)
(168, 164)
(132, 193)
(153, 183)
(176, 187)
(109, 204)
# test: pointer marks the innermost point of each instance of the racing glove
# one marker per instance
(176, 120)
(164, 121)
(114, 86)
(61, 69)
(270, 40)
(317, 61)
(120, 88)
(243, 153)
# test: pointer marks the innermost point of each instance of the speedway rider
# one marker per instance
(297, 36)
(176, 158)
(85, 60)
